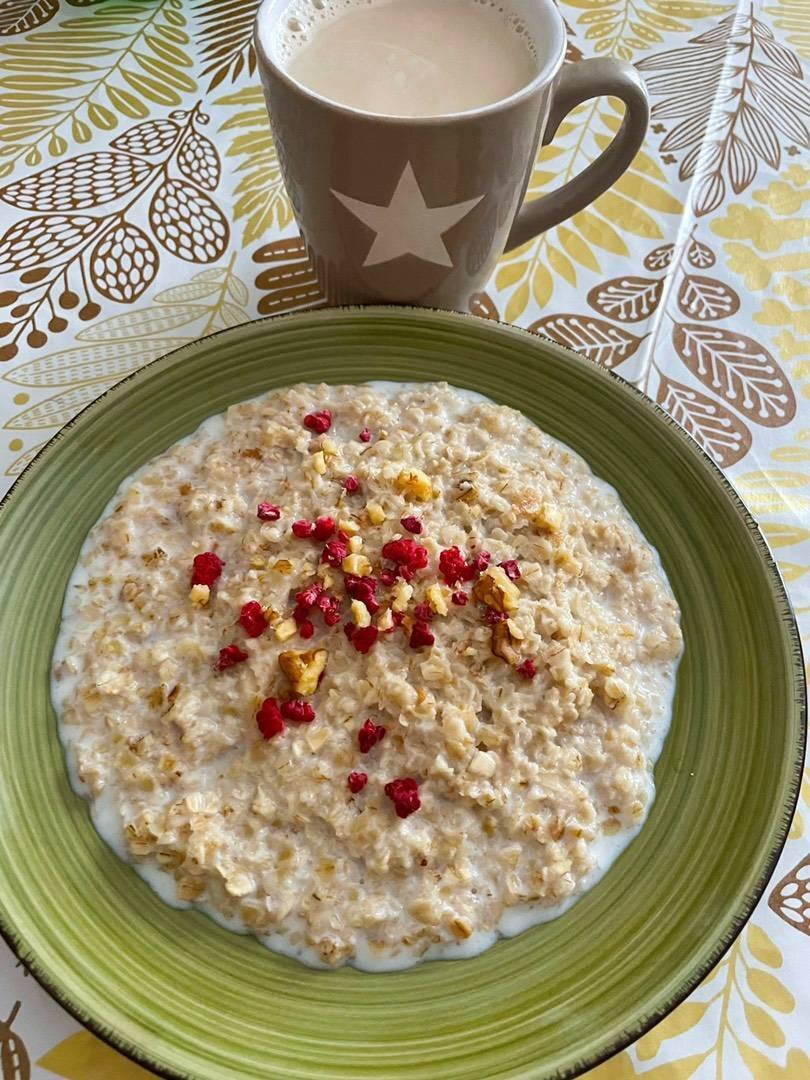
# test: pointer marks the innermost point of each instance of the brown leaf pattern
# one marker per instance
(290, 282)
(706, 298)
(17, 16)
(790, 898)
(226, 29)
(737, 94)
(595, 338)
(721, 434)
(626, 299)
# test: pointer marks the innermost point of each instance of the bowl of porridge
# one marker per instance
(381, 684)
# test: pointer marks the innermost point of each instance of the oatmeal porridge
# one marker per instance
(375, 673)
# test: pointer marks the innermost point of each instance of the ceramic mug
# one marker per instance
(418, 210)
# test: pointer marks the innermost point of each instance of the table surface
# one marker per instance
(689, 277)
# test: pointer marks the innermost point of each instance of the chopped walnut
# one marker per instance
(437, 598)
(356, 564)
(402, 594)
(286, 629)
(199, 595)
(495, 590)
(375, 513)
(548, 519)
(303, 669)
(414, 484)
(360, 614)
(385, 621)
(319, 462)
(502, 643)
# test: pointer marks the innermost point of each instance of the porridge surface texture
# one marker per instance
(376, 673)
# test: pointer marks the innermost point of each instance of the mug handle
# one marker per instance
(577, 83)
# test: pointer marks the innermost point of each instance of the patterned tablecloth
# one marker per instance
(142, 207)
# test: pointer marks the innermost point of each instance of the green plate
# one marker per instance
(189, 999)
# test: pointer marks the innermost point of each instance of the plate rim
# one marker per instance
(784, 605)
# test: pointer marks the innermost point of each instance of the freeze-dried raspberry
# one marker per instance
(364, 590)
(351, 484)
(369, 735)
(420, 635)
(299, 711)
(319, 422)
(460, 598)
(454, 567)
(511, 569)
(404, 794)
(230, 655)
(357, 781)
(363, 638)
(407, 554)
(252, 619)
(306, 629)
(324, 527)
(528, 669)
(268, 512)
(365, 435)
(268, 719)
(329, 606)
(387, 578)
(206, 568)
(303, 529)
(481, 561)
(334, 552)
(412, 524)
(492, 616)
(423, 612)
(308, 597)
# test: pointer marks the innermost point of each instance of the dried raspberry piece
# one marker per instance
(369, 735)
(364, 590)
(319, 422)
(528, 669)
(387, 578)
(420, 635)
(349, 629)
(334, 552)
(460, 598)
(229, 656)
(407, 554)
(411, 523)
(324, 527)
(363, 638)
(365, 435)
(454, 567)
(482, 561)
(423, 612)
(206, 568)
(351, 484)
(404, 794)
(268, 718)
(511, 569)
(268, 512)
(303, 529)
(357, 781)
(309, 596)
(398, 617)
(306, 629)
(300, 613)
(299, 711)
(252, 619)
(329, 606)
(492, 616)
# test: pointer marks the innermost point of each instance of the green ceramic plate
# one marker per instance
(192, 1000)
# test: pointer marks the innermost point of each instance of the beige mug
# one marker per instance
(418, 210)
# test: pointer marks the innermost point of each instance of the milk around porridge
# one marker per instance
(375, 673)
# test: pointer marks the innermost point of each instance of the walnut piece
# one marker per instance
(303, 669)
(414, 484)
(495, 590)
(502, 643)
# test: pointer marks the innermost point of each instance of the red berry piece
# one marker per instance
(460, 598)
(334, 552)
(351, 484)
(399, 619)
(412, 524)
(329, 606)
(511, 569)
(482, 561)
(420, 635)
(252, 619)
(349, 630)
(492, 616)
(206, 569)
(306, 629)
(229, 656)
(299, 711)
(319, 422)
(454, 567)
(268, 719)
(303, 529)
(387, 578)
(404, 794)
(308, 597)
(407, 554)
(268, 512)
(357, 781)
(365, 435)
(363, 638)
(528, 669)
(369, 735)
(324, 527)
(364, 590)
(423, 612)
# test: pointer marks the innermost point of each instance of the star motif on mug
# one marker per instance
(407, 225)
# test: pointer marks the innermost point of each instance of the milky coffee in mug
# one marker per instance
(406, 132)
